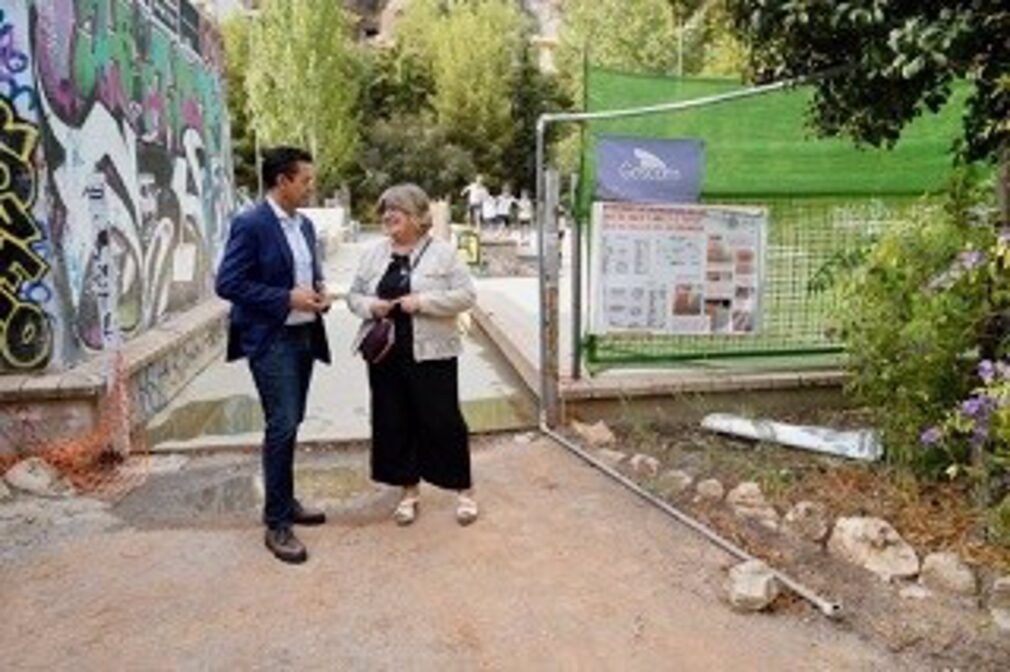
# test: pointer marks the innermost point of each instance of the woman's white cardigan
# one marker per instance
(442, 284)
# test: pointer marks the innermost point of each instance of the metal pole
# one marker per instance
(542, 270)
(680, 48)
(551, 263)
(576, 228)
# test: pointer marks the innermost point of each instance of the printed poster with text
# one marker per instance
(676, 269)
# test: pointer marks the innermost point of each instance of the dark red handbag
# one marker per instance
(378, 340)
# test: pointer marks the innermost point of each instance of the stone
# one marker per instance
(597, 435)
(873, 544)
(747, 501)
(807, 520)
(5, 492)
(947, 573)
(752, 586)
(710, 488)
(644, 465)
(611, 458)
(38, 477)
(915, 592)
(674, 482)
(999, 603)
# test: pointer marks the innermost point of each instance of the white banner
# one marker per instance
(676, 269)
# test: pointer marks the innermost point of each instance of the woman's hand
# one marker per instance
(380, 307)
(410, 304)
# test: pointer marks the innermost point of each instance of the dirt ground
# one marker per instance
(944, 632)
(565, 570)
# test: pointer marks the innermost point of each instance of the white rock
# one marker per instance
(946, 573)
(644, 465)
(807, 520)
(609, 457)
(999, 603)
(38, 477)
(710, 488)
(674, 482)
(152, 465)
(873, 544)
(748, 501)
(597, 435)
(915, 592)
(752, 586)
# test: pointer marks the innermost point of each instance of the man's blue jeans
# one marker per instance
(282, 375)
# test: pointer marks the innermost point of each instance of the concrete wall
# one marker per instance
(115, 173)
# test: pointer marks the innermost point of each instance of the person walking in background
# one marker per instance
(418, 430)
(476, 193)
(503, 209)
(488, 212)
(525, 212)
(270, 273)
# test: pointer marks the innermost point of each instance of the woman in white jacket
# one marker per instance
(418, 431)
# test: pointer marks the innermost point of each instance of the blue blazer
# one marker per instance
(257, 275)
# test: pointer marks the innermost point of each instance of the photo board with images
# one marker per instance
(676, 269)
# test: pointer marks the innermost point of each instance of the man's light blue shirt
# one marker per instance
(300, 253)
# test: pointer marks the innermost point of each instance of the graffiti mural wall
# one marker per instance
(114, 143)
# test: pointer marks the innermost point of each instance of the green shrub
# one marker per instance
(911, 321)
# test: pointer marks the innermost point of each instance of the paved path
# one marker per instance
(220, 407)
(564, 571)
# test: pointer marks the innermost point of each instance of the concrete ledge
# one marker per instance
(35, 408)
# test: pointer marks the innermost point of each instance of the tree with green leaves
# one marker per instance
(657, 36)
(890, 62)
(235, 32)
(304, 80)
(473, 49)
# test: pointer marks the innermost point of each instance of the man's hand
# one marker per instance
(380, 307)
(307, 300)
(410, 304)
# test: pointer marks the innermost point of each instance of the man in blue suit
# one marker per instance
(270, 273)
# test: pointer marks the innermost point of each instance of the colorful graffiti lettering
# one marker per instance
(25, 335)
(128, 97)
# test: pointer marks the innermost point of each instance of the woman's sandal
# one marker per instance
(406, 511)
(466, 510)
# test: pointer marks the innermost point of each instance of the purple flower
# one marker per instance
(986, 371)
(979, 436)
(971, 259)
(973, 406)
(1004, 236)
(931, 436)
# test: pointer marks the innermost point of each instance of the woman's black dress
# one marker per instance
(418, 431)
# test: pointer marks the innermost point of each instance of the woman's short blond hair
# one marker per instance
(410, 199)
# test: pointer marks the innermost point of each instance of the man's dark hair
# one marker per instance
(282, 160)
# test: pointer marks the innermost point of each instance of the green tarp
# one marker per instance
(761, 146)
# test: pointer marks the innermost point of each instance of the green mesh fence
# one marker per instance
(826, 200)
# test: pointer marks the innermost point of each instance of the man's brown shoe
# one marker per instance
(303, 515)
(283, 543)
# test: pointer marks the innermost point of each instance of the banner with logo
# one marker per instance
(676, 269)
(646, 170)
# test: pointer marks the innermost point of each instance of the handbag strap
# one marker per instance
(416, 260)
